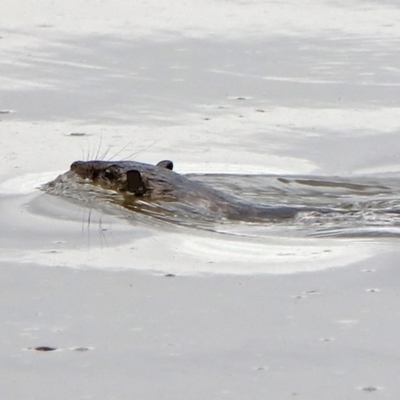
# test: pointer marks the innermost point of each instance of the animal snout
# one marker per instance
(76, 165)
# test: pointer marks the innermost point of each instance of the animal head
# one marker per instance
(124, 176)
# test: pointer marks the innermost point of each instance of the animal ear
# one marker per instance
(135, 182)
(166, 164)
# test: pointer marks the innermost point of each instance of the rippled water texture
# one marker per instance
(358, 207)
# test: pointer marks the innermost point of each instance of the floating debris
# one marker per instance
(81, 349)
(373, 290)
(44, 348)
(369, 389)
(78, 134)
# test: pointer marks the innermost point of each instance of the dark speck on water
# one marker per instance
(45, 348)
(369, 389)
(78, 134)
(81, 349)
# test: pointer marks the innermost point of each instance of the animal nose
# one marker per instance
(76, 165)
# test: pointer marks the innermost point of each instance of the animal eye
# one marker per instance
(108, 174)
(111, 172)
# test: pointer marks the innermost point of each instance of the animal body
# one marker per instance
(159, 183)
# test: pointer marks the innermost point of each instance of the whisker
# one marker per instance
(89, 218)
(92, 154)
(88, 226)
(103, 237)
(119, 152)
(140, 151)
(104, 155)
(84, 223)
(98, 150)
(89, 152)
